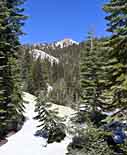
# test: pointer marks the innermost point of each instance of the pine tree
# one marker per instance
(117, 25)
(50, 126)
(92, 76)
(17, 90)
(10, 29)
(38, 77)
(44, 116)
(26, 62)
(3, 64)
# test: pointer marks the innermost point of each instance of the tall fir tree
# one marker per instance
(117, 65)
(38, 77)
(26, 61)
(11, 21)
(49, 122)
(92, 75)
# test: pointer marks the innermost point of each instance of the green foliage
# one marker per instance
(37, 76)
(46, 117)
(11, 21)
(117, 12)
(92, 75)
(103, 79)
(26, 61)
(49, 120)
(93, 143)
(59, 94)
(63, 77)
(17, 91)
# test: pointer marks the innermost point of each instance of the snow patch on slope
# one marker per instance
(43, 55)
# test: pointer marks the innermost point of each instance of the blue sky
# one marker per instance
(52, 20)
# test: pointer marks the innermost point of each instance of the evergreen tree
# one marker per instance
(92, 76)
(26, 63)
(37, 75)
(117, 18)
(11, 21)
(91, 142)
(59, 94)
(17, 89)
(50, 126)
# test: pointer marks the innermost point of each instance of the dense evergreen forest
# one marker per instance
(89, 77)
(63, 77)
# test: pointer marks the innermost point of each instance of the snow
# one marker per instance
(65, 43)
(49, 88)
(25, 143)
(110, 113)
(63, 111)
(43, 55)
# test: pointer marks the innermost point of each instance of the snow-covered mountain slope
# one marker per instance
(43, 55)
(25, 143)
(65, 43)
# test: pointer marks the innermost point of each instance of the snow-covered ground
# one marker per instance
(63, 111)
(25, 143)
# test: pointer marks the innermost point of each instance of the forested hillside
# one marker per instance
(62, 76)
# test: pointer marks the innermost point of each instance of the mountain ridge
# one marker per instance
(66, 42)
